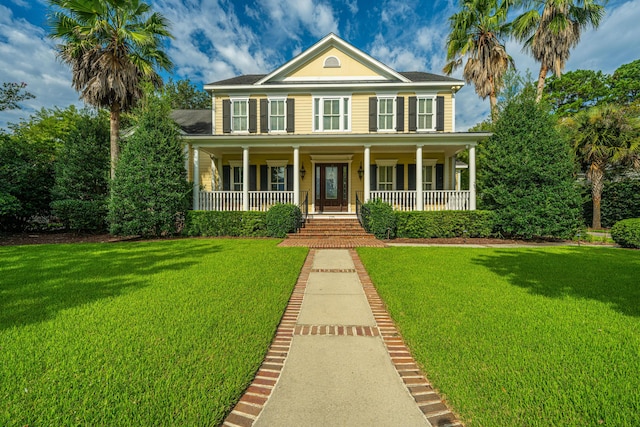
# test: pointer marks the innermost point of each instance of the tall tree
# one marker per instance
(625, 84)
(185, 96)
(577, 91)
(551, 28)
(605, 136)
(12, 93)
(111, 46)
(476, 32)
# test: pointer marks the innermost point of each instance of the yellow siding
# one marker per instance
(447, 111)
(204, 164)
(360, 112)
(349, 67)
(218, 123)
(303, 113)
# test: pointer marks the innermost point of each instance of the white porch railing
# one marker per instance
(434, 200)
(232, 200)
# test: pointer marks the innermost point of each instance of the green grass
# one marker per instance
(148, 333)
(521, 337)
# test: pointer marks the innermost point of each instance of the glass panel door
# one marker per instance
(331, 182)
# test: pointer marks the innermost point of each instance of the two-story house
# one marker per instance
(331, 128)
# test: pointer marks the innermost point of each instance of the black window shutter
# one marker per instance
(264, 115)
(411, 177)
(226, 116)
(399, 177)
(439, 176)
(373, 177)
(400, 114)
(413, 116)
(290, 177)
(440, 113)
(226, 178)
(264, 178)
(252, 178)
(253, 116)
(373, 114)
(291, 118)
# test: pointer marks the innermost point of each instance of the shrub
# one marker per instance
(620, 200)
(282, 219)
(233, 224)
(81, 215)
(82, 176)
(445, 224)
(525, 173)
(626, 233)
(379, 219)
(149, 194)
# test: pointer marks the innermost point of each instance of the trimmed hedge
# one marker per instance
(81, 215)
(620, 200)
(379, 219)
(626, 233)
(283, 218)
(434, 224)
(232, 224)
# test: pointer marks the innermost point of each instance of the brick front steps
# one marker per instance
(332, 233)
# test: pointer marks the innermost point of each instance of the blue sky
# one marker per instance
(217, 39)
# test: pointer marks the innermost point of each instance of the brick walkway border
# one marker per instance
(257, 394)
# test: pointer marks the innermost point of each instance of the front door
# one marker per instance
(332, 187)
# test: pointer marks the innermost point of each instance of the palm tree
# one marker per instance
(476, 33)
(551, 28)
(111, 46)
(605, 136)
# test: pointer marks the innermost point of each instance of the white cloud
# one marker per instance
(27, 55)
(295, 17)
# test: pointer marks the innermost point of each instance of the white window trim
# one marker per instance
(235, 164)
(246, 100)
(394, 107)
(320, 114)
(277, 98)
(432, 163)
(434, 113)
(276, 164)
(387, 162)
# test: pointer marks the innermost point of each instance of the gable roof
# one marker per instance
(411, 76)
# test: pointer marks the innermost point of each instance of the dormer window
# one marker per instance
(331, 62)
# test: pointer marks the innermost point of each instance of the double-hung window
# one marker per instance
(428, 175)
(426, 113)
(277, 115)
(331, 113)
(277, 175)
(239, 115)
(386, 113)
(386, 174)
(236, 175)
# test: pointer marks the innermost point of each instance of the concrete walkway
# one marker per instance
(337, 359)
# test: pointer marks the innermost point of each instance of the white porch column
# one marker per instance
(214, 174)
(296, 175)
(367, 173)
(472, 178)
(245, 178)
(220, 177)
(446, 173)
(196, 177)
(453, 112)
(419, 191)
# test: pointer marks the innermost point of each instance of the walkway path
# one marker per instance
(337, 359)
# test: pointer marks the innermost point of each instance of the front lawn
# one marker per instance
(521, 337)
(148, 333)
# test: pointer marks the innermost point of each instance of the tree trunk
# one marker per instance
(493, 102)
(114, 137)
(541, 79)
(597, 183)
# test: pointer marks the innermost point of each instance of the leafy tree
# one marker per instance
(82, 175)
(551, 28)
(150, 192)
(625, 84)
(185, 96)
(604, 136)
(111, 46)
(26, 178)
(11, 94)
(476, 32)
(576, 91)
(526, 173)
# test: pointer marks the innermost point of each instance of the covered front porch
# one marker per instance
(329, 176)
